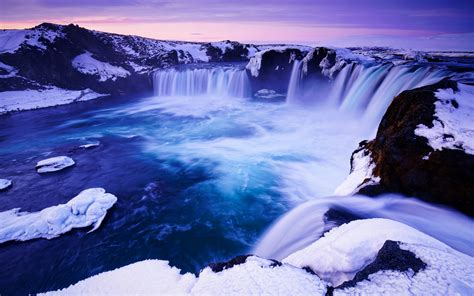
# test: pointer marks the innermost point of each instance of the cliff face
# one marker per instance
(412, 156)
(74, 58)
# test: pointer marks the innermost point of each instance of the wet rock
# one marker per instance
(54, 164)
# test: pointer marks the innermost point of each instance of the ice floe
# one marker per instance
(88, 208)
(5, 183)
(54, 164)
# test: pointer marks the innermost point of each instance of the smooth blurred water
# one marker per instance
(198, 179)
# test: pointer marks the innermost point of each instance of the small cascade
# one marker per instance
(306, 223)
(217, 81)
(294, 87)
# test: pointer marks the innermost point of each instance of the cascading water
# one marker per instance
(219, 81)
(367, 89)
(306, 223)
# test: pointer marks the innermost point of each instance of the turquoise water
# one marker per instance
(198, 179)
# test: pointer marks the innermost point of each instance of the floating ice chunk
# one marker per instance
(86, 209)
(90, 145)
(5, 183)
(54, 164)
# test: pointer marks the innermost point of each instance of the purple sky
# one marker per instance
(421, 24)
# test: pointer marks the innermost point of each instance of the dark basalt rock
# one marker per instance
(446, 177)
(275, 69)
(336, 216)
(389, 257)
(220, 266)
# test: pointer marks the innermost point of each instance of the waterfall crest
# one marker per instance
(366, 90)
(217, 81)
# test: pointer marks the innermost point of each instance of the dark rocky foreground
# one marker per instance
(445, 177)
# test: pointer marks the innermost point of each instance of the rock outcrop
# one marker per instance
(407, 163)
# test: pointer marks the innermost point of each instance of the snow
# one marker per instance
(447, 273)
(7, 68)
(51, 96)
(336, 257)
(257, 277)
(86, 64)
(11, 40)
(361, 174)
(54, 164)
(86, 209)
(5, 183)
(453, 127)
(345, 250)
(155, 277)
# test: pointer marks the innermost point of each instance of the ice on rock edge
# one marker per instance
(360, 175)
(155, 277)
(86, 209)
(5, 183)
(345, 250)
(453, 127)
(54, 164)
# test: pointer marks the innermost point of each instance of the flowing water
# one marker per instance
(200, 169)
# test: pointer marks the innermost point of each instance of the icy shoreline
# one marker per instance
(22, 100)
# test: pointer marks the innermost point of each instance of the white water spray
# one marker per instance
(217, 81)
(305, 224)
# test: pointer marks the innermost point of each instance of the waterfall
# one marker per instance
(294, 87)
(306, 223)
(366, 90)
(218, 81)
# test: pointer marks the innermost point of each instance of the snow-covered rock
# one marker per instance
(86, 64)
(255, 276)
(54, 164)
(361, 174)
(34, 99)
(5, 183)
(88, 208)
(453, 127)
(345, 250)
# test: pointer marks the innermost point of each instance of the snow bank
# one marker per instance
(11, 40)
(86, 64)
(453, 128)
(86, 209)
(5, 183)
(361, 172)
(54, 164)
(51, 96)
(345, 250)
(155, 277)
